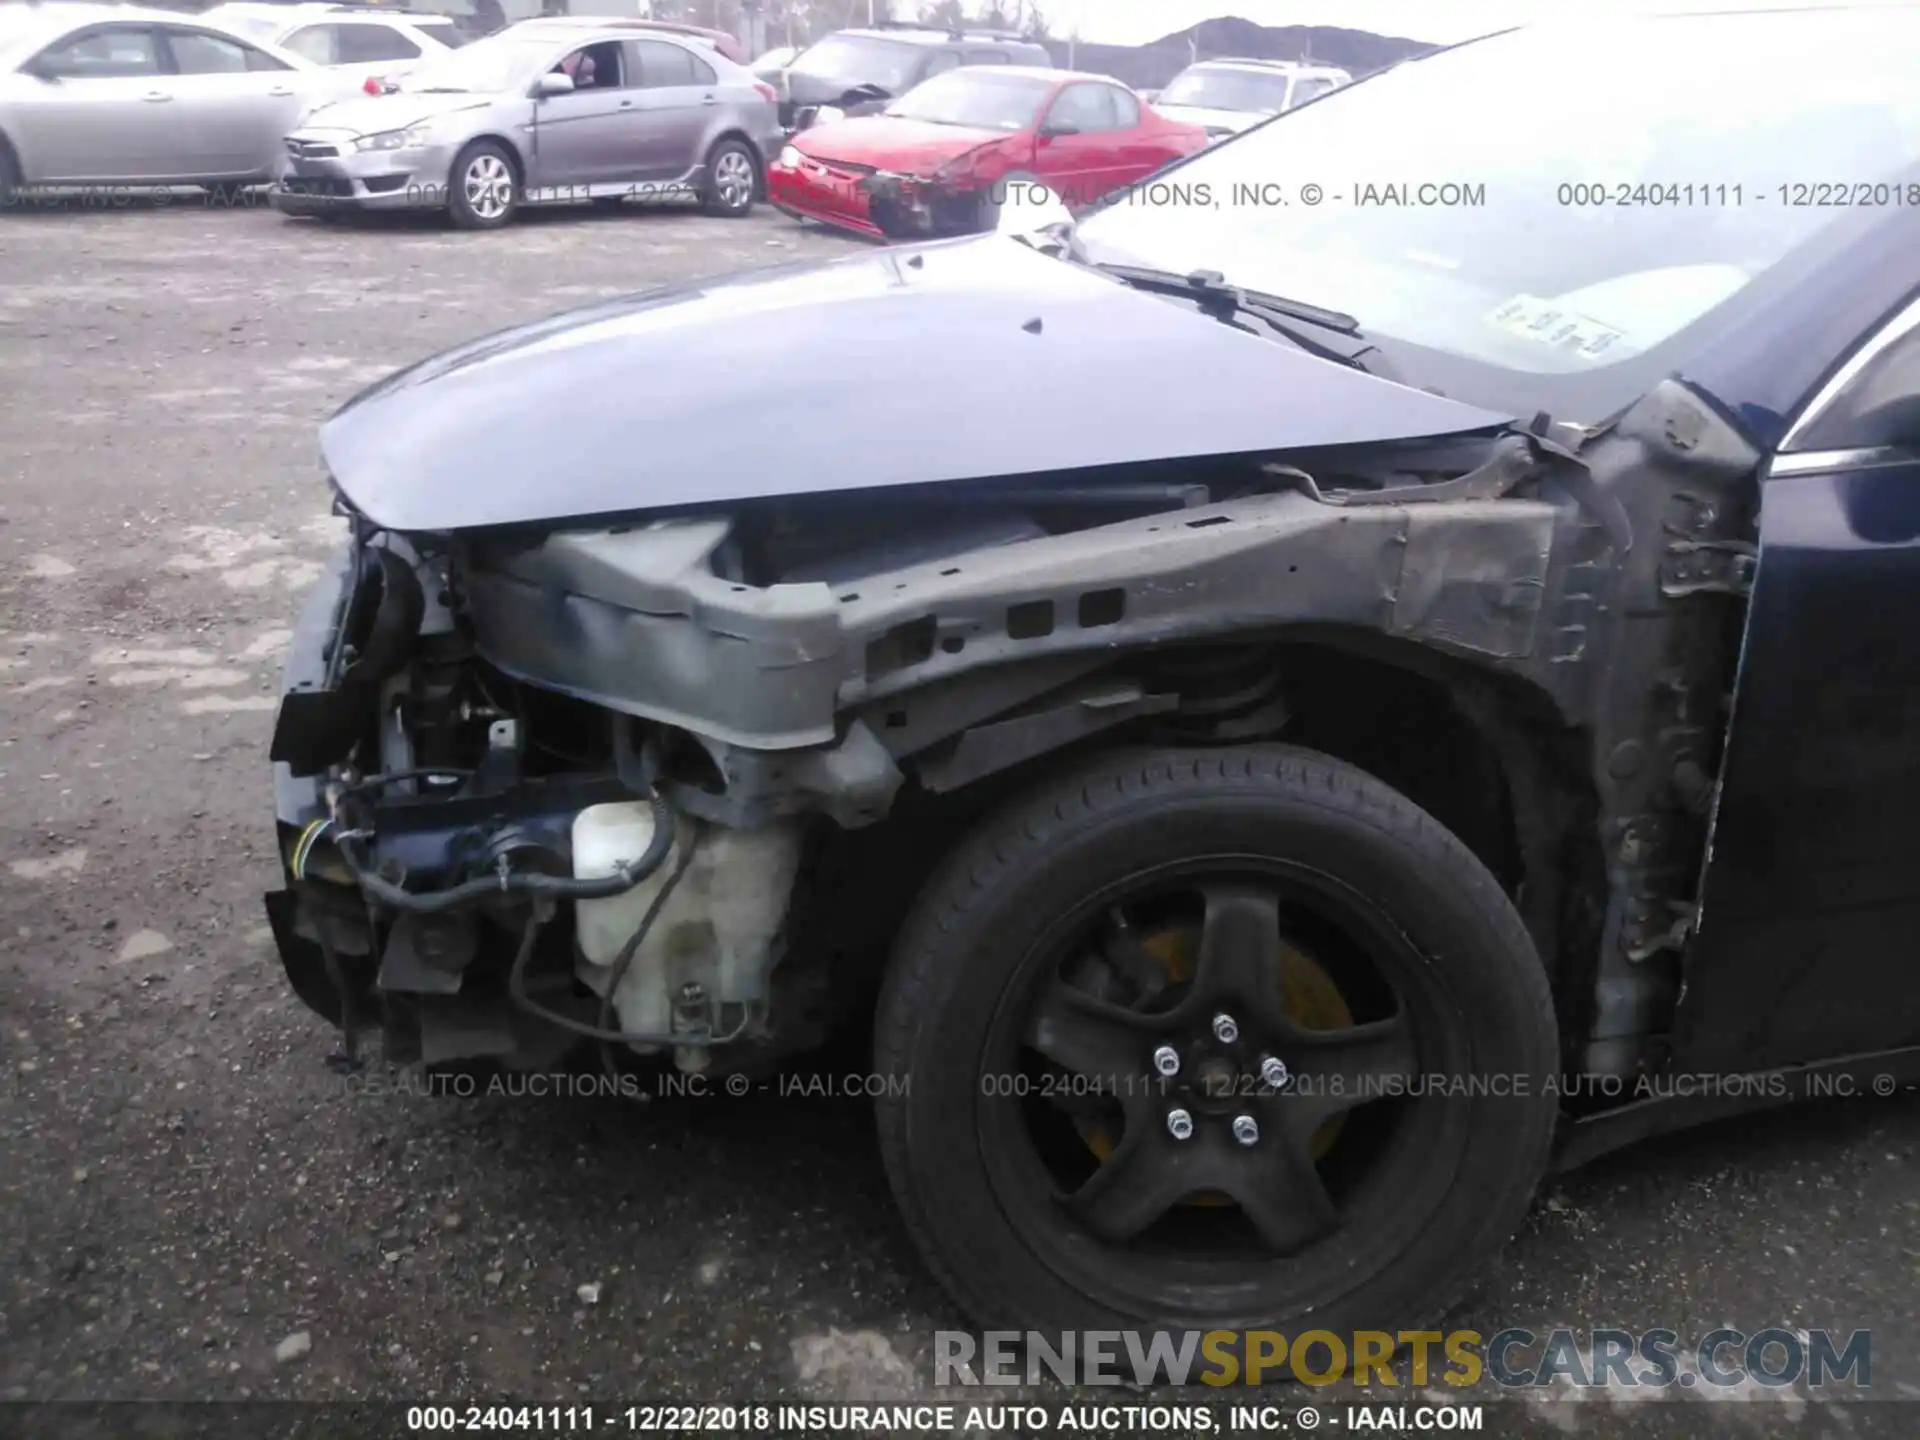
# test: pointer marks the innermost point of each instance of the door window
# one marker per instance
(318, 43)
(367, 44)
(1308, 87)
(593, 67)
(940, 62)
(1088, 109)
(1879, 407)
(196, 52)
(107, 53)
(663, 66)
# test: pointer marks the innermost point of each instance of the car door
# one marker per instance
(1811, 898)
(1080, 148)
(236, 103)
(676, 97)
(100, 107)
(584, 138)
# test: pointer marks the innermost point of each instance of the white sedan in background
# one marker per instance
(94, 95)
(364, 41)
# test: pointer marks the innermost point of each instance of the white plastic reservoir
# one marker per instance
(719, 929)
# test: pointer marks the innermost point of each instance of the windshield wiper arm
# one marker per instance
(1210, 290)
(1293, 320)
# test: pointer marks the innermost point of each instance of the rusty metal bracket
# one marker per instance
(1709, 567)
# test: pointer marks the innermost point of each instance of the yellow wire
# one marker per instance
(303, 846)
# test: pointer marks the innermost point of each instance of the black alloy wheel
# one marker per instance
(1214, 1039)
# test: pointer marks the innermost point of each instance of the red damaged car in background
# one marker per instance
(940, 158)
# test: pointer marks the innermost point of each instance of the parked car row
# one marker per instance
(888, 131)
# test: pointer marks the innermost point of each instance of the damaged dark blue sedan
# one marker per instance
(1288, 717)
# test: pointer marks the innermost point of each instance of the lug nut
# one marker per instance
(1225, 1029)
(1167, 1060)
(1245, 1130)
(1273, 1071)
(1179, 1124)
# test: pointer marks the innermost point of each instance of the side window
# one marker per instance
(1087, 108)
(1878, 408)
(318, 43)
(1308, 88)
(107, 53)
(593, 67)
(939, 63)
(661, 66)
(364, 44)
(199, 52)
(988, 57)
(1126, 109)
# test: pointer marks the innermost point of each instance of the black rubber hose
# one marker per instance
(525, 882)
(517, 980)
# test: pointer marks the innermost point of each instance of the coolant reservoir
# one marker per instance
(718, 932)
(605, 839)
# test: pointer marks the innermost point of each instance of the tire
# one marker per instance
(483, 187)
(732, 180)
(1421, 1188)
(9, 176)
(990, 200)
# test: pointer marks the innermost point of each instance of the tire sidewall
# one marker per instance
(711, 199)
(10, 178)
(460, 212)
(969, 954)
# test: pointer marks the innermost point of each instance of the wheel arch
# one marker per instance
(1487, 753)
(515, 154)
(11, 152)
(759, 161)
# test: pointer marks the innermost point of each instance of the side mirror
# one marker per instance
(1150, 96)
(1027, 206)
(552, 84)
(1054, 129)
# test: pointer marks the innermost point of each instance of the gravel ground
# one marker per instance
(191, 1205)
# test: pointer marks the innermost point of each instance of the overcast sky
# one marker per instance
(1133, 22)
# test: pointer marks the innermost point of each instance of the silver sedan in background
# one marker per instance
(542, 112)
(96, 95)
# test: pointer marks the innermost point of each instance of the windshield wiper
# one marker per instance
(1339, 339)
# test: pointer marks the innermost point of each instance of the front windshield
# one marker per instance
(499, 62)
(861, 60)
(1506, 203)
(1227, 90)
(982, 102)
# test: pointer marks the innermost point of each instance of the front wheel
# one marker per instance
(1227, 1039)
(988, 204)
(732, 180)
(483, 187)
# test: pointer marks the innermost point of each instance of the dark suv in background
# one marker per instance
(859, 71)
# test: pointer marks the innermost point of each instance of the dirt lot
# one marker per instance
(184, 1186)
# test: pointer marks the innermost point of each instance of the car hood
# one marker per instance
(960, 360)
(888, 142)
(1211, 119)
(372, 114)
